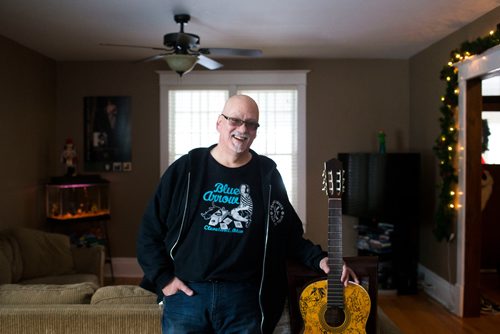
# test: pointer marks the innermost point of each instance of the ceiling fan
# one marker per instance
(182, 51)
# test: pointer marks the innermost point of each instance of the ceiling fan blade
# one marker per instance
(152, 58)
(134, 46)
(208, 63)
(231, 52)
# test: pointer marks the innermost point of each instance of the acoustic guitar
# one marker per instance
(326, 305)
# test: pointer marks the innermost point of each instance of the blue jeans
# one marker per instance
(215, 307)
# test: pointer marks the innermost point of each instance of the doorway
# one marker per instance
(490, 196)
(471, 74)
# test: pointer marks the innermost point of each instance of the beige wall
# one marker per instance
(348, 102)
(27, 122)
(425, 91)
(129, 191)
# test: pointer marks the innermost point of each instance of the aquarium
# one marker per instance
(77, 197)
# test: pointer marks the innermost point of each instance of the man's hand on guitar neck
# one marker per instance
(346, 272)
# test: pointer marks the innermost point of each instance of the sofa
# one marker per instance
(81, 308)
(121, 309)
(29, 256)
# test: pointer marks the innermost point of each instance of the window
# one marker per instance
(491, 88)
(492, 155)
(191, 119)
(275, 138)
(189, 108)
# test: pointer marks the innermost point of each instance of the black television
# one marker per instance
(381, 185)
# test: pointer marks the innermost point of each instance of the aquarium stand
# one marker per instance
(78, 206)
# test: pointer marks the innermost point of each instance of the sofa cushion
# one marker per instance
(44, 253)
(10, 249)
(123, 294)
(38, 294)
(63, 279)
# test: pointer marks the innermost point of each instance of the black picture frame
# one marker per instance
(107, 133)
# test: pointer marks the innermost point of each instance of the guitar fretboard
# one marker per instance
(335, 261)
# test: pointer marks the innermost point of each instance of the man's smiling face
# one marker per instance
(233, 137)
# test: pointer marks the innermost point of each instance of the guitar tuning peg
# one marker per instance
(343, 180)
(325, 185)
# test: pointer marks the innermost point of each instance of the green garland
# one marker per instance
(446, 144)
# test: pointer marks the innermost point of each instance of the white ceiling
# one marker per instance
(71, 30)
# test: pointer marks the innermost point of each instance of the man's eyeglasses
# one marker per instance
(251, 125)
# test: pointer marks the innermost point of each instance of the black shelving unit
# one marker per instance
(382, 191)
(86, 232)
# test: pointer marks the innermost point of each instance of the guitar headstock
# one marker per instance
(333, 178)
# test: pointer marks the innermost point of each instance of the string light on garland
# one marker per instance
(445, 146)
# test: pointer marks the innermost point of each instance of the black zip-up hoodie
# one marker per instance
(171, 210)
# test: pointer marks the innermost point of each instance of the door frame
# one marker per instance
(470, 74)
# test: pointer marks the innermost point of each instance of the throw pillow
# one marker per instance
(42, 294)
(44, 254)
(123, 294)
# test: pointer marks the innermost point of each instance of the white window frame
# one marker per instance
(234, 80)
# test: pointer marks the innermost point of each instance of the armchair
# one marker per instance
(29, 256)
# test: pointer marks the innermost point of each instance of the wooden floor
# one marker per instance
(420, 314)
(415, 314)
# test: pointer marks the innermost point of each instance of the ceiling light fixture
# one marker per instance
(181, 63)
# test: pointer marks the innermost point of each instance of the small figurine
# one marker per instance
(69, 157)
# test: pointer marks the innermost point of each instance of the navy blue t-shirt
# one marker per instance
(226, 239)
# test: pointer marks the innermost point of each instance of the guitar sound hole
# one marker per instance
(334, 316)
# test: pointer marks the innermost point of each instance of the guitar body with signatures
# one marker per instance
(326, 305)
(319, 319)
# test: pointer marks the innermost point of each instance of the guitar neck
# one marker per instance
(339, 309)
(335, 261)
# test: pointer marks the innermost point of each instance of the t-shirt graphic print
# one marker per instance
(220, 216)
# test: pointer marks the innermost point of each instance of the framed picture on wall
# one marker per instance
(107, 134)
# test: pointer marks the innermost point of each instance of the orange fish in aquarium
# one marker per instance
(77, 197)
